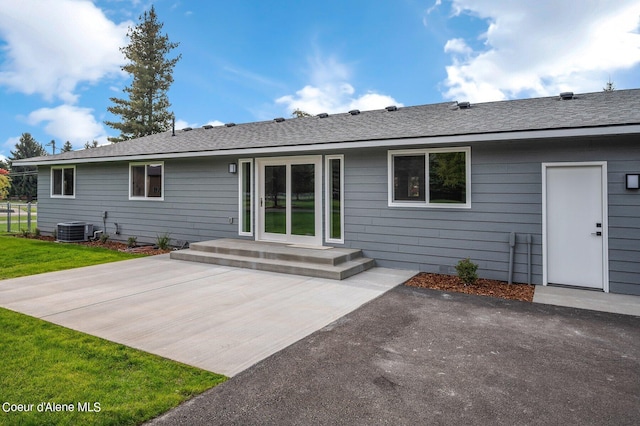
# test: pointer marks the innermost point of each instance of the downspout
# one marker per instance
(512, 246)
(529, 259)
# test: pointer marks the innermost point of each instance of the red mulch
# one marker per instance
(482, 287)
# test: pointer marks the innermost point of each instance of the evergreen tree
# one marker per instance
(25, 179)
(67, 147)
(146, 111)
(89, 145)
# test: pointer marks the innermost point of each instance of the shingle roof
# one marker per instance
(592, 110)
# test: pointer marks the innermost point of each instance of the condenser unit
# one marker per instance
(70, 232)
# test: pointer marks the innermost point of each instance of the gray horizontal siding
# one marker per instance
(506, 196)
(199, 197)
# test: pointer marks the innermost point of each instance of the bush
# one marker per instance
(37, 233)
(104, 237)
(466, 270)
(162, 241)
(132, 242)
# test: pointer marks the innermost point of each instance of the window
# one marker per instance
(430, 178)
(146, 181)
(63, 182)
(245, 206)
(334, 199)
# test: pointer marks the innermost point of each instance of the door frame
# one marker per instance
(605, 217)
(315, 240)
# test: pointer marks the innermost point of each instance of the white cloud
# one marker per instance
(54, 45)
(457, 45)
(542, 49)
(181, 124)
(69, 123)
(9, 145)
(331, 92)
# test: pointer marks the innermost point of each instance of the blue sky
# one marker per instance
(252, 60)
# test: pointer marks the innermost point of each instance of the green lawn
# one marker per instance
(44, 364)
(22, 256)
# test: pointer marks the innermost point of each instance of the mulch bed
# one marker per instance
(482, 287)
(149, 250)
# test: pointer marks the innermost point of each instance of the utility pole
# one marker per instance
(53, 146)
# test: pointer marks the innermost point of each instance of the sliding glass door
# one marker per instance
(290, 201)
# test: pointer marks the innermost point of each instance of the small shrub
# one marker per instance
(162, 241)
(466, 270)
(132, 242)
(104, 237)
(25, 233)
(37, 232)
(55, 233)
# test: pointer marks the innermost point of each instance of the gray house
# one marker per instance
(555, 179)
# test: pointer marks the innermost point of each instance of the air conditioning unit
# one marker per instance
(71, 232)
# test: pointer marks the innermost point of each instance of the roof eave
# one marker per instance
(375, 143)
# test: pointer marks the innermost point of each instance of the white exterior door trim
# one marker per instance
(605, 224)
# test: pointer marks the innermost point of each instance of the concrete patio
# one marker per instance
(218, 318)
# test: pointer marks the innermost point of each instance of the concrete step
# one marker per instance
(337, 272)
(278, 251)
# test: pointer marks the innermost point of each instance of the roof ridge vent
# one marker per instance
(229, 124)
(464, 105)
(186, 129)
(322, 115)
(279, 119)
(354, 112)
(391, 108)
(565, 96)
(207, 126)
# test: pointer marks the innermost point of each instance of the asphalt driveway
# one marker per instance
(417, 356)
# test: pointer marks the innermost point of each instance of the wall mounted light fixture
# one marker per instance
(233, 168)
(633, 181)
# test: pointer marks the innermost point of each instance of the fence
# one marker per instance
(18, 217)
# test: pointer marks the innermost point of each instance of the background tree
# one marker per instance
(300, 113)
(67, 147)
(25, 179)
(5, 184)
(146, 111)
(89, 145)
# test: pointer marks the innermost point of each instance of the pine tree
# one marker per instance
(67, 147)
(25, 179)
(147, 110)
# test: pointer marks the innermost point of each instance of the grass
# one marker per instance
(46, 363)
(22, 256)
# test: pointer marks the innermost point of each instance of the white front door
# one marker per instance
(289, 201)
(575, 224)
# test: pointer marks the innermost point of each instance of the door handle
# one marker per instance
(261, 201)
(597, 233)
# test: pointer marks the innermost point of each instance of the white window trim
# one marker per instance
(328, 197)
(74, 182)
(145, 197)
(241, 194)
(426, 203)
